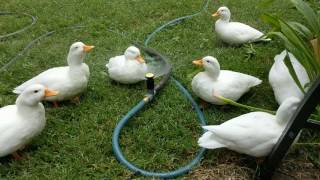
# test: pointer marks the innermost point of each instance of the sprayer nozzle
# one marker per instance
(149, 75)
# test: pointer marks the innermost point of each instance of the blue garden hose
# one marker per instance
(149, 96)
(139, 171)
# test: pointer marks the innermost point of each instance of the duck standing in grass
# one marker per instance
(281, 81)
(254, 134)
(235, 33)
(71, 81)
(128, 68)
(21, 122)
(229, 84)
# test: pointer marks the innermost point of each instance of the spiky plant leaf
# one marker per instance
(311, 16)
(293, 73)
(301, 29)
(272, 20)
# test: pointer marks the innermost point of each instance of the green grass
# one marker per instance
(77, 139)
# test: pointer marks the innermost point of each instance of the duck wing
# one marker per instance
(233, 85)
(243, 32)
(7, 116)
(51, 78)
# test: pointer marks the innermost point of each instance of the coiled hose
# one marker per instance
(149, 96)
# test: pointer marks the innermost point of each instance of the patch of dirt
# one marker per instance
(233, 166)
(223, 172)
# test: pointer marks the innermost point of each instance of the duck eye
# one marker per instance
(36, 91)
(208, 61)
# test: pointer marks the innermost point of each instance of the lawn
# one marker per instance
(77, 139)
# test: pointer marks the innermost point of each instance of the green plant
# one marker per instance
(302, 40)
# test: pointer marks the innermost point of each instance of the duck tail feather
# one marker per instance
(256, 82)
(207, 140)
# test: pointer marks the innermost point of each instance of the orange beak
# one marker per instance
(87, 48)
(49, 93)
(140, 59)
(198, 62)
(216, 14)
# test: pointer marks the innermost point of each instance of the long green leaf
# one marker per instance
(293, 73)
(309, 15)
(302, 30)
(300, 44)
(272, 20)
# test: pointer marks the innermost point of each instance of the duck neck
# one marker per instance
(224, 19)
(75, 65)
(213, 72)
(25, 108)
(283, 115)
(75, 61)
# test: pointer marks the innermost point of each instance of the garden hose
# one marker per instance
(30, 45)
(33, 18)
(152, 91)
(148, 97)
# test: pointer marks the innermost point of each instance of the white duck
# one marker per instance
(213, 81)
(70, 81)
(234, 32)
(254, 134)
(128, 68)
(19, 123)
(281, 81)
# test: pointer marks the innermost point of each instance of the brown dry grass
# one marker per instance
(232, 166)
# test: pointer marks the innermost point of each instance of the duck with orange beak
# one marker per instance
(71, 81)
(235, 33)
(213, 81)
(128, 68)
(21, 122)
